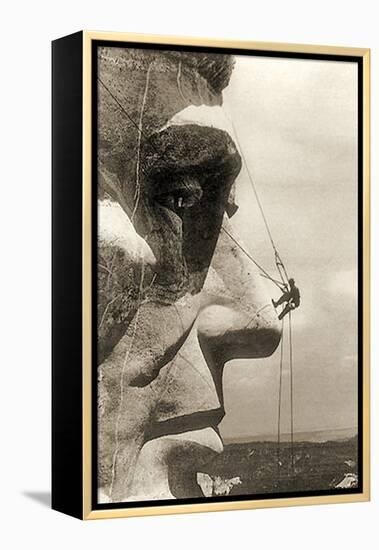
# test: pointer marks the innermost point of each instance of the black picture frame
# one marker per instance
(74, 331)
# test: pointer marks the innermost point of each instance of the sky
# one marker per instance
(296, 122)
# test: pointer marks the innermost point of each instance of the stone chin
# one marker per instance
(167, 466)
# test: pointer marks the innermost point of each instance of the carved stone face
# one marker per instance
(177, 297)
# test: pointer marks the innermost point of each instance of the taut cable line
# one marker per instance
(278, 261)
(265, 274)
(291, 390)
(283, 286)
(280, 402)
(128, 116)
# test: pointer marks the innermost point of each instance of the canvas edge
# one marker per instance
(88, 513)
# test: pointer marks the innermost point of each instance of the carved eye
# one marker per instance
(177, 200)
(180, 193)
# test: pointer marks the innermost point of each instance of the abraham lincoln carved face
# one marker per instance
(177, 296)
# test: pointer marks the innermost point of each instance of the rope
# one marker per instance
(140, 125)
(280, 266)
(285, 281)
(147, 138)
(130, 118)
(178, 80)
(279, 283)
(292, 454)
(291, 389)
(252, 259)
(280, 400)
(278, 260)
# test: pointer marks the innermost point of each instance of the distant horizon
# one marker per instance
(348, 432)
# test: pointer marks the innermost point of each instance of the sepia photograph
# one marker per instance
(191, 237)
(227, 276)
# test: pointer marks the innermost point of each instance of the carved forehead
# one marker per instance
(216, 69)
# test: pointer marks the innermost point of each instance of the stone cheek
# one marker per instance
(186, 388)
(146, 88)
(176, 299)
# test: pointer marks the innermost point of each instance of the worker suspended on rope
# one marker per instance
(291, 296)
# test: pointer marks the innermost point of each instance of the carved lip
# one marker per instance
(186, 423)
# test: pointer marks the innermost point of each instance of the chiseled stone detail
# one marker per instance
(177, 299)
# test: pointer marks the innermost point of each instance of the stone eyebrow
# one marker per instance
(197, 151)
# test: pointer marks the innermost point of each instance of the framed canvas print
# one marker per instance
(210, 275)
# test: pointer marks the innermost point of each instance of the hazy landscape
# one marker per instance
(263, 467)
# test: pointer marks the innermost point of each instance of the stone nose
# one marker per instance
(238, 319)
(232, 333)
(264, 331)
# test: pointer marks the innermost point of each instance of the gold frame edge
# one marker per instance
(88, 513)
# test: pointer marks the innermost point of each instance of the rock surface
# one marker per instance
(348, 482)
(216, 486)
(176, 297)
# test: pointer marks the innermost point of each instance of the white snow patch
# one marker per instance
(216, 486)
(349, 482)
(115, 228)
(202, 115)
